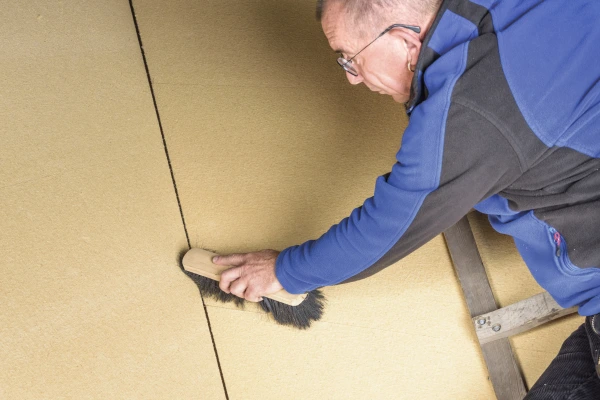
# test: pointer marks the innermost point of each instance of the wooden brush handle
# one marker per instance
(199, 262)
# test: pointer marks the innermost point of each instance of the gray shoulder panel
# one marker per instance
(484, 88)
(561, 185)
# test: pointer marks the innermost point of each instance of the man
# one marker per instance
(504, 106)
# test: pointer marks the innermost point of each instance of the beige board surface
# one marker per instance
(270, 146)
(93, 303)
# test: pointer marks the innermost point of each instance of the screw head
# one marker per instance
(481, 321)
(496, 328)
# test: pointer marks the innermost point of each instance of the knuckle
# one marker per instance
(244, 270)
(231, 274)
(252, 298)
(226, 275)
(238, 288)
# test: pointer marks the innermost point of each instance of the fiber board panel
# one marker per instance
(270, 146)
(256, 168)
(93, 302)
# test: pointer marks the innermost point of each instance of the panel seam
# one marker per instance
(139, 37)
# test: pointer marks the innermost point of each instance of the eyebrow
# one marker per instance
(341, 51)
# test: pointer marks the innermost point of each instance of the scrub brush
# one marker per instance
(289, 309)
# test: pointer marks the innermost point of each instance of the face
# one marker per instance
(382, 66)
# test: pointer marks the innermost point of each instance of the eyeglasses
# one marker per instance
(347, 64)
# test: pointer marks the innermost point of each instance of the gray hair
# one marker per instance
(376, 10)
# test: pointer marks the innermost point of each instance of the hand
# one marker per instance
(252, 275)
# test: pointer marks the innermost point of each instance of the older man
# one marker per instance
(504, 105)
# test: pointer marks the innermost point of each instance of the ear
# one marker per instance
(410, 41)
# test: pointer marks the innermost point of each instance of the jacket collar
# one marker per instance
(426, 57)
(469, 20)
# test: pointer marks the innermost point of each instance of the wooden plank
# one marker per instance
(502, 368)
(469, 268)
(518, 317)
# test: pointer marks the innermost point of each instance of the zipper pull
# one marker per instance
(557, 241)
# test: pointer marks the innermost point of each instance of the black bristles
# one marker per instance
(210, 288)
(300, 316)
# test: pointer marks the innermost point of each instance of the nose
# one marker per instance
(354, 80)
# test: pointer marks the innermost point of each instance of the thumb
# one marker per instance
(231, 259)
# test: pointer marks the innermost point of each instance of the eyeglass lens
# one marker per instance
(347, 65)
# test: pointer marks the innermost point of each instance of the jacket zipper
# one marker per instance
(557, 241)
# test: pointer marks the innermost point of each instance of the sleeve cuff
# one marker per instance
(283, 266)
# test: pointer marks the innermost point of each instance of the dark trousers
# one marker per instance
(575, 372)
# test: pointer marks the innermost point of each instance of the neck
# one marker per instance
(426, 23)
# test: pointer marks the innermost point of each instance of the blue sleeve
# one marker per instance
(371, 230)
(436, 181)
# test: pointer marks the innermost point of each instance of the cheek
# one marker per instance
(388, 74)
(394, 78)
(379, 74)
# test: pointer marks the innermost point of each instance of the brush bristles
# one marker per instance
(300, 316)
(210, 288)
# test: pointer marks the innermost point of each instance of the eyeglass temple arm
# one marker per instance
(413, 28)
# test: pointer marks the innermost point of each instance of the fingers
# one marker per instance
(252, 275)
(229, 276)
(252, 295)
(239, 286)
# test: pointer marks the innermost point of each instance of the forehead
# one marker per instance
(335, 27)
